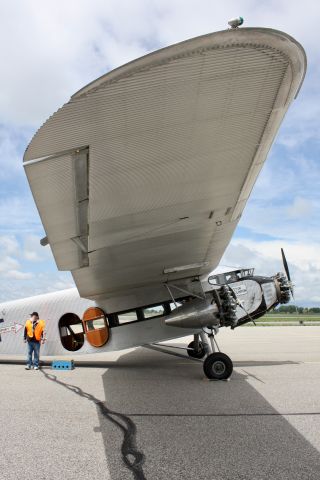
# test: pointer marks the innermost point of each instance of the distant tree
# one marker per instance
(287, 309)
(293, 309)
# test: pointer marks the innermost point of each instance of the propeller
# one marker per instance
(286, 268)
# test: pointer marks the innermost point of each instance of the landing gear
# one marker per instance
(196, 352)
(218, 366)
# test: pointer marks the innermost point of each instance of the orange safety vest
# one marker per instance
(38, 331)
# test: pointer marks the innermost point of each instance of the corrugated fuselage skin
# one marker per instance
(52, 306)
(256, 295)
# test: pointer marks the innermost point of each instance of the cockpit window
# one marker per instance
(230, 277)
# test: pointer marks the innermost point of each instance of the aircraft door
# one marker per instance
(95, 326)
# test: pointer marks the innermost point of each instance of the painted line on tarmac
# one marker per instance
(276, 414)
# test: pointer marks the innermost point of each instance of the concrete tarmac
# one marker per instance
(142, 414)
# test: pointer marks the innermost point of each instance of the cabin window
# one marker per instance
(151, 312)
(127, 317)
(96, 326)
(71, 332)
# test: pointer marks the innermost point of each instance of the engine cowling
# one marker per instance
(283, 288)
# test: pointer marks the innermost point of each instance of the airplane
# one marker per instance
(140, 180)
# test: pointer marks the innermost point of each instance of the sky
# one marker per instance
(50, 49)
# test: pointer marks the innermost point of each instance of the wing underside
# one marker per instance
(149, 167)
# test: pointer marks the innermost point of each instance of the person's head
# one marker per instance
(34, 316)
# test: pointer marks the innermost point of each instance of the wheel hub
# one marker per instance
(218, 367)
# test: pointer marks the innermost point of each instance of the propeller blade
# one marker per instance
(286, 268)
(285, 264)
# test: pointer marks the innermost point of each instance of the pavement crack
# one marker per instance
(131, 456)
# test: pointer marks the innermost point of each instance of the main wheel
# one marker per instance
(196, 353)
(218, 366)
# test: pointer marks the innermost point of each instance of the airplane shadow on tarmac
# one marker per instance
(161, 419)
(185, 426)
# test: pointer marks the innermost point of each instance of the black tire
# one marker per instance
(218, 366)
(196, 354)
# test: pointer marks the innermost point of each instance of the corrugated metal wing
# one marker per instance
(175, 142)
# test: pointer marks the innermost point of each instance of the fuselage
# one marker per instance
(55, 307)
(75, 325)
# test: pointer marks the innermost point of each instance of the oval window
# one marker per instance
(95, 326)
(71, 332)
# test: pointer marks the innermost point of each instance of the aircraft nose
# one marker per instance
(283, 287)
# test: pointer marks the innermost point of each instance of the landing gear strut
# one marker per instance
(217, 365)
(196, 349)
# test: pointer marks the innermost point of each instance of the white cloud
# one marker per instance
(18, 215)
(18, 284)
(9, 244)
(11, 267)
(58, 47)
(26, 268)
(285, 202)
(31, 256)
(265, 257)
(18, 275)
(300, 207)
(10, 156)
(33, 251)
(7, 263)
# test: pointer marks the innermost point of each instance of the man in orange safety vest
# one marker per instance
(34, 336)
